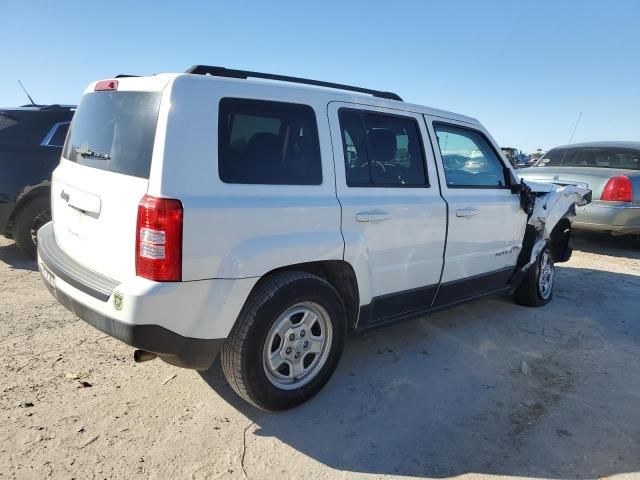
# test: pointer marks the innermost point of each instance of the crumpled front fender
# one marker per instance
(553, 203)
(549, 223)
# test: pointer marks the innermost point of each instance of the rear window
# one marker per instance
(6, 121)
(114, 131)
(599, 157)
(272, 143)
(8, 127)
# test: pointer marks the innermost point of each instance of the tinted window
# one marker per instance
(274, 143)
(383, 150)
(468, 158)
(59, 136)
(8, 130)
(609, 157)
(114, 131)
(6, 121)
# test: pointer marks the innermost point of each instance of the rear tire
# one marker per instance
(286, 342)
(29, 219)
(537, 288)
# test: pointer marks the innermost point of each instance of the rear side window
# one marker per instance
(57, 135)
(469, 160)
(381, 150)
(263, 142)
(115, 131)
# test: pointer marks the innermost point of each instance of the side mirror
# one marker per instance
(511, 181)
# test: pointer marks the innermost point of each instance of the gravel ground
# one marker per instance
(487, 388)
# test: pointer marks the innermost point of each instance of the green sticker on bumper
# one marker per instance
(117, 301)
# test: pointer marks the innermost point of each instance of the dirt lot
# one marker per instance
(441, 396)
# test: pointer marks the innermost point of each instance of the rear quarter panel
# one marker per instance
(635, 184)
(236, 230)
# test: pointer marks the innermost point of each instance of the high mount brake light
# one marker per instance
(159, 239)
(618, 189)
(106, 85)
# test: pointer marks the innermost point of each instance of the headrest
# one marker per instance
(383, 144)
(264, 145)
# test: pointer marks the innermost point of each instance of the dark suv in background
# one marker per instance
(31, 140)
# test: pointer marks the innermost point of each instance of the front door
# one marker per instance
(486, 222)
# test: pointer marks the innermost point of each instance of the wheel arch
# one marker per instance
(559, 241)
(28, 194)
(338, 273)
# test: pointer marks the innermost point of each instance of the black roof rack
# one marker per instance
(243, 74)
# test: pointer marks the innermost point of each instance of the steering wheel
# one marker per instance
(375, 164)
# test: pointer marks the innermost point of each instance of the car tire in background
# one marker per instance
(286, 342)
(537, 288)
(29, 219)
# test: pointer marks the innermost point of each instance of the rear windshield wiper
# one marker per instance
(88, 153)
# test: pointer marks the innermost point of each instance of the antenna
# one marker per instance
(27, 94)
(571, 139)
(575, 127)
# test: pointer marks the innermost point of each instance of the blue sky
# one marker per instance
(524, 68)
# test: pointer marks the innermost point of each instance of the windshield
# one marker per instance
(598, 157)
(114, 131)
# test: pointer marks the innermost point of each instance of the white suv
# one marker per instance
(206, 213)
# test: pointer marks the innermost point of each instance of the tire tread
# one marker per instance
(231, 354)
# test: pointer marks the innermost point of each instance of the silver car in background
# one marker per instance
(610, 169)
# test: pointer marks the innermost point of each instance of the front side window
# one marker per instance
(264, 142)
(468, 159)
(381, 149)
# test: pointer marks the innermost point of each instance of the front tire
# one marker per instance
(286, 342)
(537, 288)
(28, 221)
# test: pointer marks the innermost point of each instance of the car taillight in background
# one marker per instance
(159, 239)
(618, 189)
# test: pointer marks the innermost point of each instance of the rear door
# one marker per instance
(103, 174)
(393, 217)
(486, 222)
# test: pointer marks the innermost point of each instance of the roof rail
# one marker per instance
(243, 74)
(54, 106)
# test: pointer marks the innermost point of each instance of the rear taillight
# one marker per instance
(159, 239)
(618, 189)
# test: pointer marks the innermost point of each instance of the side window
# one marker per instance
(381, 149)
(468, 158)
(59, 136)
(56, 135)
(272, 143)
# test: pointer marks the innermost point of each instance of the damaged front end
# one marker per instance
(549, 208)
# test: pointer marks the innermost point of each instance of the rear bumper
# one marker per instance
(606, 217)
(196, 353)
(184, 323)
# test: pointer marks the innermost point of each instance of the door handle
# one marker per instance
(372, 216)
(467, 212)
